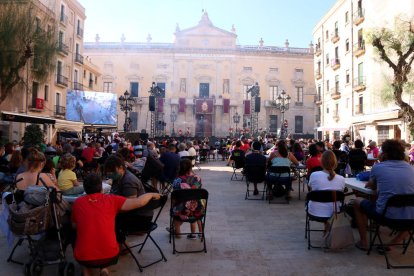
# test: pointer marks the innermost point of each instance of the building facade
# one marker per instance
(206, 76)
(349, 78)
(44, 102)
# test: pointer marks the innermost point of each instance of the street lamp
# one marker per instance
(173, 117)
(126, 102)
(282, 103)
(236, 120)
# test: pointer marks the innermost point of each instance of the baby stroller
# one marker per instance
(41, 226)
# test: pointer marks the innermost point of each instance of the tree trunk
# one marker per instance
(406, 109)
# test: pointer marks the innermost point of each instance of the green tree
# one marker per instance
(33, 136)
(395, 47)
(26, 31)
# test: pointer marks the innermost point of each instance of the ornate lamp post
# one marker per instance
(173, 117)
(236, 120)
(282, 103)
(126, 102)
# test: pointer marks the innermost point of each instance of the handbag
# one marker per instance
(339, 234)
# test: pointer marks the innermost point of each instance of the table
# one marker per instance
(300, 171)
(71, 198)
(358, 185)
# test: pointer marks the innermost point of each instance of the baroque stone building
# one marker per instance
(206, 75)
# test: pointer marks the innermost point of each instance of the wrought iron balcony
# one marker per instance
(318, 50)
(359, 48)
(359, 84)
(60, 110)
(63, 48)
(318, 74)
(78, 86)
(359, 109)
(359, 16)
(63, 19)
(335, 36)
(91, 84)
(318, 99)
(335, 63)
(335, 93)
(61, 80)
(79, 32)
(78, 58)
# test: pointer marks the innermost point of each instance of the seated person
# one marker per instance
(341, 158)
(281, 158)
(298, 151)
(325, 180)
(67, 181)
(255, 159)
(182, 150)
(393, 175)
(237, 156)
(125, 183)
(357, 158)
(314, 160)
(171, 161)
(187, 180)
(93, 217)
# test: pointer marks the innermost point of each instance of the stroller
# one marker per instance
(42, 228)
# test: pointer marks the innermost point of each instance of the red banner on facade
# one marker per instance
(204, 106)
(226, 105)
(246, 107)
(160, 105)
(181, 105)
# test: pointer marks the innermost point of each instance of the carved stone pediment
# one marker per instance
(272, 80)
(134, 77)
(247, 80)
(298, 82)
(108, 77)
(203, 78)
(160, 78)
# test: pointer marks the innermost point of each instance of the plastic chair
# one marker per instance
(255, 174)
(152, 205)
(396, 225)
(323, 196)
(181, 197)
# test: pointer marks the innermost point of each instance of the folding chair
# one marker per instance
(204, 153)
(323, 196)
(152, 205)
(237, 164)
(396, 225)
(181, 197)
(255, 174)
(278, 172)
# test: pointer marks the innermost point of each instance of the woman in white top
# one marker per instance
(325, 180)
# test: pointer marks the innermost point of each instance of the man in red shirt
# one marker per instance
(89, 153)
(93, 216)
(245, 145)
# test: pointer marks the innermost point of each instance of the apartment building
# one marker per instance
(206, 76)
(44, 102)
(349, 78)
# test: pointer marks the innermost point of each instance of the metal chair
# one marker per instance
(152, 205)
(237, 164)
(179, 197)
(396, 225)
(255, 174)
(323, 196)
(277, 172)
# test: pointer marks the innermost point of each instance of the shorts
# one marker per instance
(369, 208)
(102, 263)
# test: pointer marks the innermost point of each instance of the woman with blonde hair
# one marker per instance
(67, 181)
(325, 180)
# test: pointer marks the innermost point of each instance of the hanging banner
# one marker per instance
(226, 105)
(204, 106)
(181, 105)
(160, 105)
(246, 107)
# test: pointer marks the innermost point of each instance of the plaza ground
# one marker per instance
(243, 238)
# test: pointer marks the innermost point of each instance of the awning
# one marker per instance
(100, 126)
(389, 123)
(24, 118)
(332, 128)
(68, 126)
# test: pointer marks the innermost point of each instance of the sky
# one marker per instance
(273, 20)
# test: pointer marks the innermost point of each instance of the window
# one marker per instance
(347, 103)
(226, 86)
(247, 69)
(46, 93)
(107, 87)
(347, 45)
(383, 133)
(319, 67)
(96, 79)
(336, 29)
(247, 96)
(57, 99)
(327, 59)
(273, 92)
(204, 90)
(183, 85)
(75, 76)
(298, 73)
(360, 107)
(337, 83)
(336, 54)
(273, 123)
(62, 13)
(90, 80)
(327, 85)
(299, 95)
(133, 115)
(35, 88)
(319, 96)
(327, 35)
(347, 76)
(162, 86)
(336, 109)
(361, 73)
(298, 124)
(134, 89)
(84, 73)
(77, 49)
(346, 17)
(327, 109)
(273, 70)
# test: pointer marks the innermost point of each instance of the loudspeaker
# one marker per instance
(257, 104)
(151, 103)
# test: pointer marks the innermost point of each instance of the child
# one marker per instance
(67, 181)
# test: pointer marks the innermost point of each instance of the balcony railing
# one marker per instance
(78, 86)
(79, 32)
(63, 19)
(359, 84)
(359, 48)
(61, 80)
(317, 118)
(335, 63)
(60, 110)
(318, 99)
(359, 16)
(335, 115)
(78, 58)
(63, 48)
(335, 36)
(359, 109)
(335, 93)
(318, 50)
(318, 74)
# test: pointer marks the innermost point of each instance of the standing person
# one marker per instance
(67, 181)
(392, 176)
(93, 217)
(255, 159)
(171, 161)
(187, 180)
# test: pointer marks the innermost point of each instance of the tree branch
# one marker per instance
(378, 44)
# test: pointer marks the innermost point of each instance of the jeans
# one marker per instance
(286, 181)
(75, 190)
